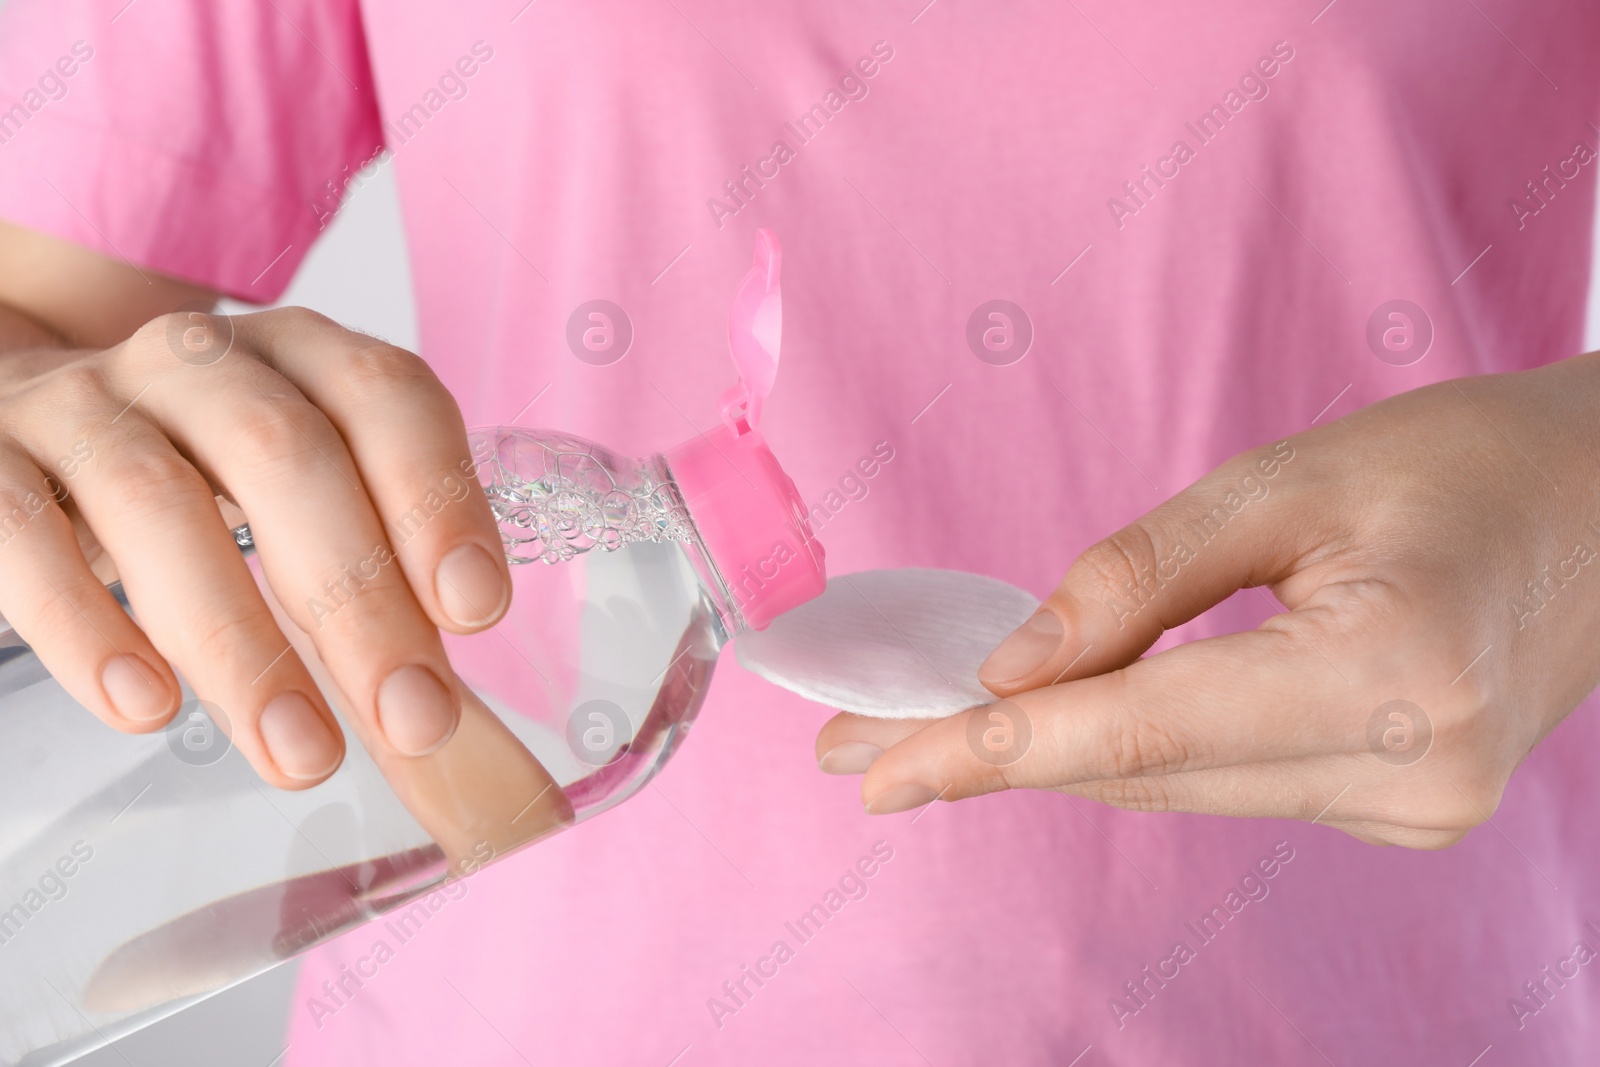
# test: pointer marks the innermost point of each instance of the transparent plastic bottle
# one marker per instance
(139, 874)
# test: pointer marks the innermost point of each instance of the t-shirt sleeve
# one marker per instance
(206, 140)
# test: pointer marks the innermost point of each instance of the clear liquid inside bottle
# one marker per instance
(140, 873)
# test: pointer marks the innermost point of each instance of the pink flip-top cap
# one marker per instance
(748, 513)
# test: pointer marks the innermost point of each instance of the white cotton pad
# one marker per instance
(895, 644)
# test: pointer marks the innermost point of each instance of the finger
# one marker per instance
(405, 433)
(1362, 795)
(480, 796)
(1227, 531)
(76, 628)
(1243, 698)
(849, 743)
(1334, 791)
(1309, 789)
(321, 544)
(192, 593)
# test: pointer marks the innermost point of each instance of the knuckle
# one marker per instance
(147, 480)
(268, 433)
(297, 317)
(220, 635)
(1118, 563)
(1139, 747)
(191, 335)
(58, 619)
(74, 392)
(78, 386)
(376, 365)
(155, 332)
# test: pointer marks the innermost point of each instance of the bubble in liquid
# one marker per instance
(561, 501)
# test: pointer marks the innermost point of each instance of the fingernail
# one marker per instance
(1028, 647)
(415, 710)
(470, 587)
(850, 757)
(135, 689)
(901, 798)
(298, 739)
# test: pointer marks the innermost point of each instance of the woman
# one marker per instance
(1058, 265)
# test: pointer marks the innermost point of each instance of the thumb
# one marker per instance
(1233, 529)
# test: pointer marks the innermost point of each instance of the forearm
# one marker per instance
(55, 295)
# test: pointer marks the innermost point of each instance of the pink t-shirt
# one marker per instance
(1200, 210)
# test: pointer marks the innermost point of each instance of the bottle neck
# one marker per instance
(716, 584)
(750, 522)
(721, 589)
